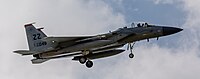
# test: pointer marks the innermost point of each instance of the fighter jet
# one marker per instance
(87, 48)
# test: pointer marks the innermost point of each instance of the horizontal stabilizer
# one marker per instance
(25, 52)
(38, 61)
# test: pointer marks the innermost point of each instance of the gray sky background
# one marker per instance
(172, 57)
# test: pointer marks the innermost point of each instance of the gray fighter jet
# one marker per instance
(86, 48)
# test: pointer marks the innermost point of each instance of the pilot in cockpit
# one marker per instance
(142, 25)
(145, 25)
(138, 25)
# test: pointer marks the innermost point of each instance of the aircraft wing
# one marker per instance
(77, 55)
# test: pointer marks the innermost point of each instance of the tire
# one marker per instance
(82, 60)
(131, 55)
(89, 64)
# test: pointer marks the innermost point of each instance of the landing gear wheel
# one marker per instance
(131, 55)
(89, 64)
(82, 60)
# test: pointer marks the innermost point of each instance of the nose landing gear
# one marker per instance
(131, 55)
(130, 46)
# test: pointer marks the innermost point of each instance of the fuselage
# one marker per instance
(115, 39)
(118, 37)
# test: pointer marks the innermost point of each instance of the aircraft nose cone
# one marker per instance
(170, 30)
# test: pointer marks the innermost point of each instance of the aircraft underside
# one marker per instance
(84, 57)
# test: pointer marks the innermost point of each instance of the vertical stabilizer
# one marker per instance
(34, 37)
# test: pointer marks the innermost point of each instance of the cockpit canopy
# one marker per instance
(136, 24)
(139, 24)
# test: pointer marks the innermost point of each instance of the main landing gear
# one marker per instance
(86, 61)
(130, 47)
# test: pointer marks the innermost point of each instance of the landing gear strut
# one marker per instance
(130, 46)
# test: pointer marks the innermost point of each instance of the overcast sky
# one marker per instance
(172, 57)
